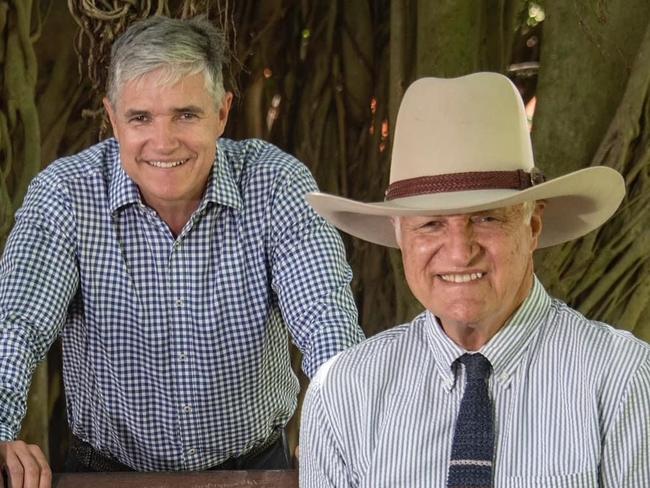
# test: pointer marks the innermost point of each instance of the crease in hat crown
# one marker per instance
(465, 131)
(450, 125)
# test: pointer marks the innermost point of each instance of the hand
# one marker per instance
(25, 465)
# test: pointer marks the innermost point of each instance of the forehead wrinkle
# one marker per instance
(515, 209)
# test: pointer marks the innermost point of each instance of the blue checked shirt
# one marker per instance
(175, 349)
(571, 400)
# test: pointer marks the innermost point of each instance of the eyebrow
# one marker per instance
(189, 108)
(134, 113)
(178, 110)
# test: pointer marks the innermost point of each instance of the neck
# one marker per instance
(470, 337)
(473, 336)
(176, 214)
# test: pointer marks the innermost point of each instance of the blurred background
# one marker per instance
(322, 79)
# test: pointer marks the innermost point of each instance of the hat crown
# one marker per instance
(473, 123)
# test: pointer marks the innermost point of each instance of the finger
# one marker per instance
(31, 469)
(45, 470)
(13, 469)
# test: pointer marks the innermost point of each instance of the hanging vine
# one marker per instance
(20, 157)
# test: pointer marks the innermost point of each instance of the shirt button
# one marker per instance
(179, 302)
(187, 409)
(191, 452)
(182, 356)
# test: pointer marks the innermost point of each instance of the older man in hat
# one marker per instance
(496, 383)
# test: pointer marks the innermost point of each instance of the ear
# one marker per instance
(536, 223)
(226, 102)
(111, 116)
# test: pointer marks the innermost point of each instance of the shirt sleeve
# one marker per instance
(626, 447)
(311, 276)
(38, 278)
(321, 462)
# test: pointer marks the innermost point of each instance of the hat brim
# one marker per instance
(576, 204)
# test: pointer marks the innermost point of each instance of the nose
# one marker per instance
(163, 137)
(461, 244)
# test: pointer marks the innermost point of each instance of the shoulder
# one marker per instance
(95, 160)
(381, 359)
(257, 157)
(270, 182)
(603, 356)
(596, 338)
(54, 189)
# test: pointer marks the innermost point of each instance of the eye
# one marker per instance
(188, 116)
(139, 119)
(431, 224)
(485, 219)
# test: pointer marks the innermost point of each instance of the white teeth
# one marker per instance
(166, 164)
(461, 278)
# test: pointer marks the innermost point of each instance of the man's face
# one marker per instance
(167, 135)
(470, 270)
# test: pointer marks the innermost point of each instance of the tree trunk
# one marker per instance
(593, 110)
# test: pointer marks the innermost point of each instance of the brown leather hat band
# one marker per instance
(474, 180)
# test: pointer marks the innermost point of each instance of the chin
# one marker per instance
(462, 317)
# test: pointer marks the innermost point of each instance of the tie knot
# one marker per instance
(477, 366)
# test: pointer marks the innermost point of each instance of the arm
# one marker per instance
(625, 460)
(311, 276)
(321, 461)
(38, 277)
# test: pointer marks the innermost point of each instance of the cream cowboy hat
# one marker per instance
(462, 145)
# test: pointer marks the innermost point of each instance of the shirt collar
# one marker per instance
(222, 187)
(122, 190)
(504, 350)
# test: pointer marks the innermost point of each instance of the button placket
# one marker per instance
(181, 324)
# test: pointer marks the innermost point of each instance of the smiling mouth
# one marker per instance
(461, 277)
(166, 164)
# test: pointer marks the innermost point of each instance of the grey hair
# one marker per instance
(527, 208)
(181, 47)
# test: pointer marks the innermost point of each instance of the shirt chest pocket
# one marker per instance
(578, 480)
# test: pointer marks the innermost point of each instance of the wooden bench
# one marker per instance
(205, 479)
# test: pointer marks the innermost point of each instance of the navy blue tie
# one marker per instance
(473, 446)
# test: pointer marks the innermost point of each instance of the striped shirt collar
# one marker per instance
(504, 351)
(222, 187)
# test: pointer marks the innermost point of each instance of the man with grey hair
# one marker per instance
(496, 383)
(174, 264)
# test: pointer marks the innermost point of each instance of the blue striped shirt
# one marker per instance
(571, 401)
(176, 351)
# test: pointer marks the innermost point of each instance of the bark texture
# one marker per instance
(594, 110)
